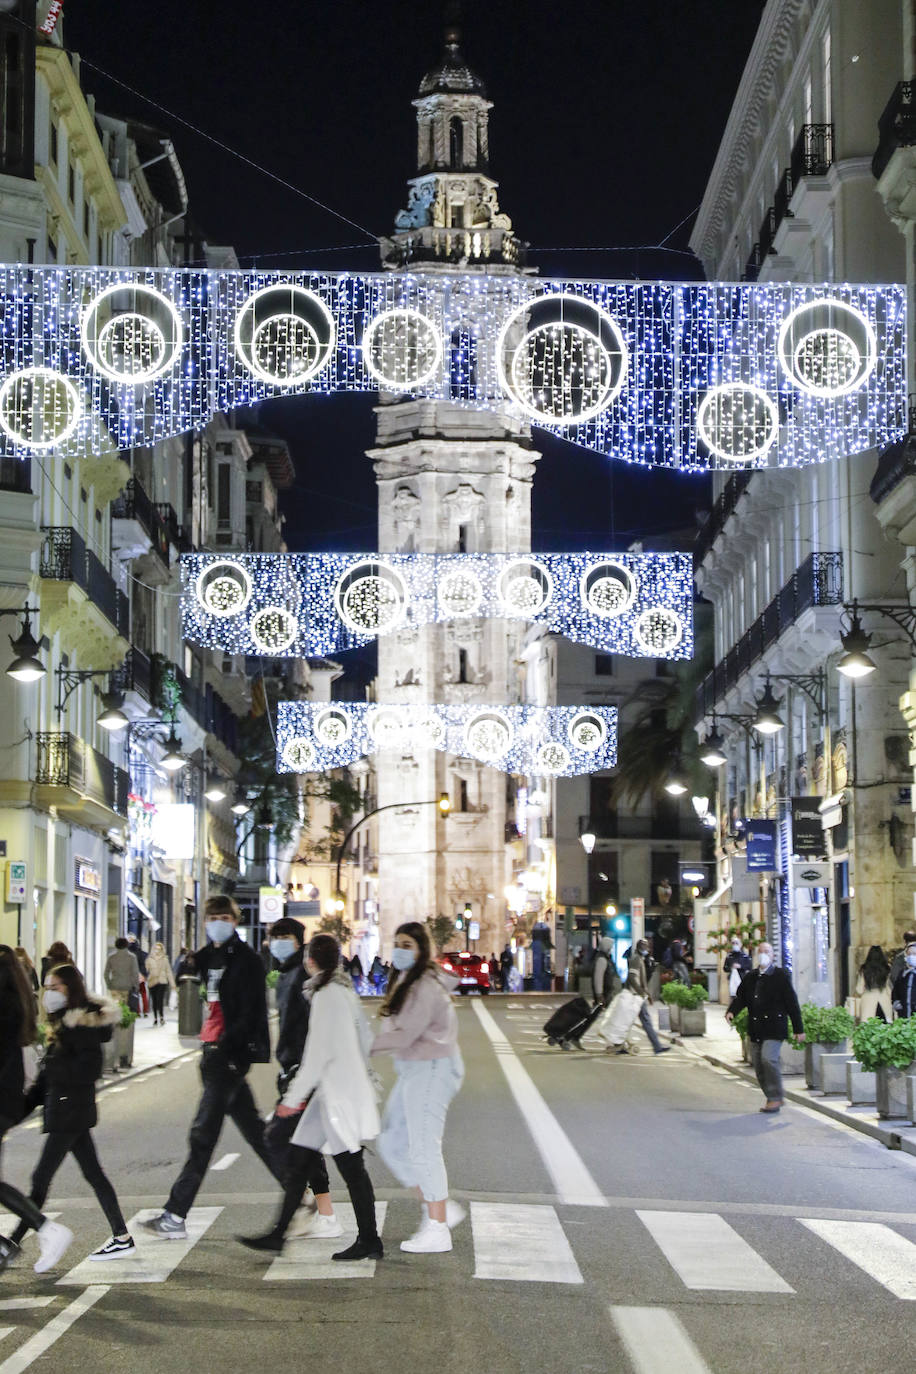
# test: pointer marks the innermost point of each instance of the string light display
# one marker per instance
(540, 741)
(636, 605)
(691, 376)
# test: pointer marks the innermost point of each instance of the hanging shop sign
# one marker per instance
(87, 878)
(270, 904)
(808, 874)
(17, 879)
(761, 846)
(745, 885)
(807, 826)
(49, 23)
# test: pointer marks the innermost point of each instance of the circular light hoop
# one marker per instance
(459, 592)
(659, 630)
(818, 343)
(587, 732)
(333, 727)
(583, 359)
(552, 757)
(429, 732)
(39, 407)
(223, 588)
(402, 349)
(146, 339)
(386, 729)
(488, 735)
(607, 590)
(738, 422)
(284, 334)
(524, 588)
(371, 598)
(273, 629)
(300, 755)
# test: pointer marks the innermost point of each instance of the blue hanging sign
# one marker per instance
(761, 846)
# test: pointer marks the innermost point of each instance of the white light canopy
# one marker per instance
(277, 605)
(539, 741)
(694, 375)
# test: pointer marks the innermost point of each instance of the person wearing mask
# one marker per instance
(161, 980)
(122, 974)
(736, 964)
(77, 1027)
(638, 983)
(58, 953)
(18, 1033)
(604, 974)
(421, 1033)
(898, 963)
(771, 1003)
(29, 968)
(903, 993)
(332, 1101)
(873, 986)
(233, 1037)
(675, 959)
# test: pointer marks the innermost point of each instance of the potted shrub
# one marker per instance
(692, 1011)
(827, 1031)
(123, 1037)
(887, 1049)
(671, 996)
(740, 1025)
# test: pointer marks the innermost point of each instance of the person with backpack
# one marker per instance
(18, 1034)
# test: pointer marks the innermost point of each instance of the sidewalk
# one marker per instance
(154, 1048)
(722, 1046)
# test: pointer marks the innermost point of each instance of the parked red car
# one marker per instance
(470, 969)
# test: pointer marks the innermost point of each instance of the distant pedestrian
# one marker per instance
(904, 990)
(184, 966)
(137, 950)
(421, 1032)
(675, 959)
(737, 964)
(493, 970)
(77, 1027)
(161, 980)
(58, 953)
(377, 976)
(638, 982)
(605, 978)
(234, 1036)
(23, 956)
(356, 973)
(333, 1102)
(771, 1003)
(18, 1034)
(506, 965)
(898, 963)
(873, 986)
(122, 974)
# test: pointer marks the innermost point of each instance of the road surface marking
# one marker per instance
(656, 1342)
(8, 1221)
(708, 1254)
(521, 1241)
(311, 1259)
(21, 1304)
(884, 1254)
(573, 1182)
(121, 1089)
(154, 1259)
(27, 1354)
(224, 1163)
(6, 1331)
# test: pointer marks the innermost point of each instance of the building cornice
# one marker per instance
(67, 98)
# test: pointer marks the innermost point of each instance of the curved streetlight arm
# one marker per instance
(390, 806)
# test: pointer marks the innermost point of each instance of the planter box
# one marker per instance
(674, 1017)
(664, 1017)
(813, 1053)
(911, 1098)
(861, 1085)
(692, 1022)
(792, 1061)
(124, 1045)
(832, 1072)
(744, 1054)
(890, 1096)
(110, 1054)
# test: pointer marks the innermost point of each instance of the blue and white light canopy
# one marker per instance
(300, 604)
(692, 376)
(538, 741)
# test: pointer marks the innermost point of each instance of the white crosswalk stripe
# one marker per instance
(23, 1304)
(224, 1163)
(709, 1255)
(154, 1259)
(521, 1241)
(882, 1253)
(311, 1259)
(6, 1331)
(656, 1341)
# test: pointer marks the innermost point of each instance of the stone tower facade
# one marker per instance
(450, 479)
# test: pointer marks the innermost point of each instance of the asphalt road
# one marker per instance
(627, 1213)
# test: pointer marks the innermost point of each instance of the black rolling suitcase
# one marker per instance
(570, 1022)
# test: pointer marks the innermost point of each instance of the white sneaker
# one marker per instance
(433, 1238)
(454, 1214)
(315, 1226)
(53, 1241)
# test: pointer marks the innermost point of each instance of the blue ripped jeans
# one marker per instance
(414, 1122)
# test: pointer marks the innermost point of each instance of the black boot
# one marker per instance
(8, 1251)
(362, 1249)
(272, 1242)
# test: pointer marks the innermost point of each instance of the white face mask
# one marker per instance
(736, 946)
(54, 1000)
(764, 960)
(911, 960)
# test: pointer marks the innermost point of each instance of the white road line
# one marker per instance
(7, 1221)
(311, 1259)
(224, 1163)
(709, 1255)
(154, 1259)
(22, 1304)
(573, 1182)
(656, 1342)
(521, 1241)
(6, 1331)
(27, 1354)
(121, 1089)
(884, 1254)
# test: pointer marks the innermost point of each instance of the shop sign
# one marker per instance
(808, 874)
(88, 879)
(17, 878)
(761, 846)
(807, 826)
(270, 904)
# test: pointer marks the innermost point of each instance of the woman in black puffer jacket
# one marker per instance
(77, 1027)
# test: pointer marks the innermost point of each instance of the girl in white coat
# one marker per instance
(335, 1096)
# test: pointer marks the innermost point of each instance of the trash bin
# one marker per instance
(190, 1007)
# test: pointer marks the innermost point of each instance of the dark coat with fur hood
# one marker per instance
(73, 1065)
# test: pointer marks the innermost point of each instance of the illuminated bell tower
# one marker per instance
(450, 479)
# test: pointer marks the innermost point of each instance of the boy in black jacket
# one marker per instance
(770, 998)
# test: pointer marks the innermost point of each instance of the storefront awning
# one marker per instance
(143, 909)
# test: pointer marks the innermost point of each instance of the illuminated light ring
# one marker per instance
(488, 735)
(533, 584)
(333, 727)
(459, 592)
(13, 420)
(247, 322)
(93, 338)
(552, 757)
(386, 728)
(284, 624)
(510, 382)
(709, 421)
(384, 591)
(429, 733)
(433, 342)
(788, 341)
(237, 575)
(300, 755)
(659, 630)
(607, 589)
(587, 732)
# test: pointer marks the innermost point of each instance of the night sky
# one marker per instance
(606, 122)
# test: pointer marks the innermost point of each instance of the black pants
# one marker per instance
(302, 1163)
(157, 992)
(226, 1093)
(14, 1201)
(278, 1138)
(79, 1144)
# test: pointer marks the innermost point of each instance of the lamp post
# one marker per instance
(587, 839)
(26, 666)
(442, 801)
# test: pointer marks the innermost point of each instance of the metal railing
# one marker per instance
(896, 127)
(782, 198)
(134, 674)
(65, 558)
(768, 233)
(752, 266)
(65, 760)
(812, 155)
(134, 504)
(726, 504)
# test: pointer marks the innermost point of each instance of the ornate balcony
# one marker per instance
(896, 127)
(813, 154)
(79, 598)
(725, 505)
(83, 784)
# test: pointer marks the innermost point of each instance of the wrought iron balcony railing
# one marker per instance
(725, 505)
(65, 760)
(65, 558)
(782, 198)
(813, 154)
(134, 504)
(768, 233)
(752, 266)
(896, 127)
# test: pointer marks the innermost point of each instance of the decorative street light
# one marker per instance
(856, 661)
(443, 802)
(173, 759)
(112, 717)
(26, 666)
(712, 749)
(768, 721)
(240, 805)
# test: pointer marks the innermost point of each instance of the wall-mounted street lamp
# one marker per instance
(112, 716)
(767, 720)
(240, 805)
(443, 802)
(856, 661)
(26, 666)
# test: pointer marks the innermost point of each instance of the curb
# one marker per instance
(127, 1075)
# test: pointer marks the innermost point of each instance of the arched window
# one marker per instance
(455, 141)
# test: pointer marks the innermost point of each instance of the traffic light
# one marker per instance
(459, 921)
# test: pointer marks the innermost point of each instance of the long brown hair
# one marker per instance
(399, 984)
(72, 979)
(14, 988)
(325, 952)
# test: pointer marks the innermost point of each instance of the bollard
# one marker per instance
(190, 1007)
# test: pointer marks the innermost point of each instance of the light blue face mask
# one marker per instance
(54, 1000)
(220, 931)
(403, 959)
(283, 949)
